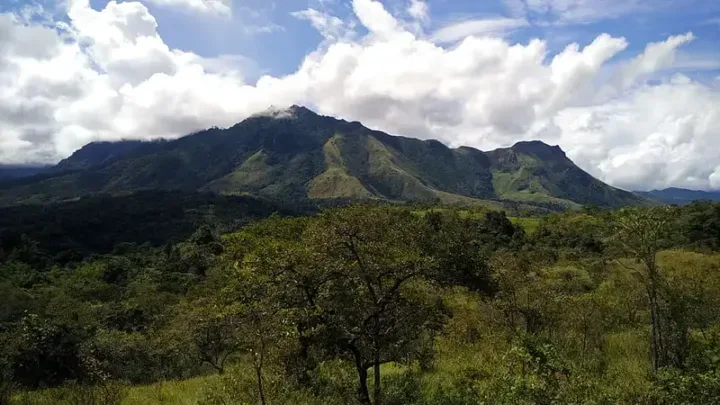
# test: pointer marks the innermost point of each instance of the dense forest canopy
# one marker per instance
(210, 303)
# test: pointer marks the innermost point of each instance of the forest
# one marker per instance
(240, 302)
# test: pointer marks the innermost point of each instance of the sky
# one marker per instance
(630, 89)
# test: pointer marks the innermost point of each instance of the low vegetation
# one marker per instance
(371, 305)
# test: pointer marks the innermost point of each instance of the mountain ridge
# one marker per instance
(680, 196)
(295, 154)
(12, 172)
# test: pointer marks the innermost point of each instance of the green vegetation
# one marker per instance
(369, 305)
(538, 174)
(305, 156)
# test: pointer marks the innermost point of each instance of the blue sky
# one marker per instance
(630, 89)
(267, 33)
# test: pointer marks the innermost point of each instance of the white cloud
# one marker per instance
(492, 26)
(330, 27)
(657, 56)
(375, 17)
(110, 75)
(654, 137)
(214, 7)
(715, 179)
(419, 10)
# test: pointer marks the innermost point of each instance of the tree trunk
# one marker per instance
(259, 360)
(654, 349)
(303, 374)
(363, 391)
(656, 343)
(261, 388)
(376, 370)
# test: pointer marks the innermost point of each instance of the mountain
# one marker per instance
(95, 153)
(535, 172)
(680, 196)
(8, 172)
(295, 155)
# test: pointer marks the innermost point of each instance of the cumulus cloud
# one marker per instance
(657, 56)
(654, 137)
(214, 7)
(108, 75)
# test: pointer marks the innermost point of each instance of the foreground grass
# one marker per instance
(481, 369)
(476, 363)
(185, 392)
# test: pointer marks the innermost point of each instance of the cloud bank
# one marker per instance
(108, 75)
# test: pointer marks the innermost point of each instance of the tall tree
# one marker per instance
(378, 306)
(641, 233)
(254, 298)
(213, 333)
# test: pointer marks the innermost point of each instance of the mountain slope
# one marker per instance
(536, 172)
(95, 154)
(680, 196)
(295, 155)
(9, 172)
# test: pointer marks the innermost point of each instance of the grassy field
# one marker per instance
(463, 373)
(474, 364)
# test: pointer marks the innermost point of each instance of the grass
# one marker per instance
(254, 172)
(476, 361)
(465, 372)
(529, 224)
(184, 392)
(336, 181)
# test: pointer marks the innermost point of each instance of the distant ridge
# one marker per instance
(680, 196)
(295, 155)
(8, 172)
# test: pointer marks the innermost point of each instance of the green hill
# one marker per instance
(537, 173)
(296, 155)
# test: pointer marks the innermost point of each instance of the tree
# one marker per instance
(378, 305)
(212, 332)
(460, 250)
(254, 300)
(521, 295)
(642, 233)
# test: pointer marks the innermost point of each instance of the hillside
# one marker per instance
(680, 196)
(535, 172)
(96, 225)
(9, 172)
(294, 155)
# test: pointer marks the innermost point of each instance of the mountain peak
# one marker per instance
(294, 111)
(539, 149)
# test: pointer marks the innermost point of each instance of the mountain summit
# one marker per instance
(294, 154)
